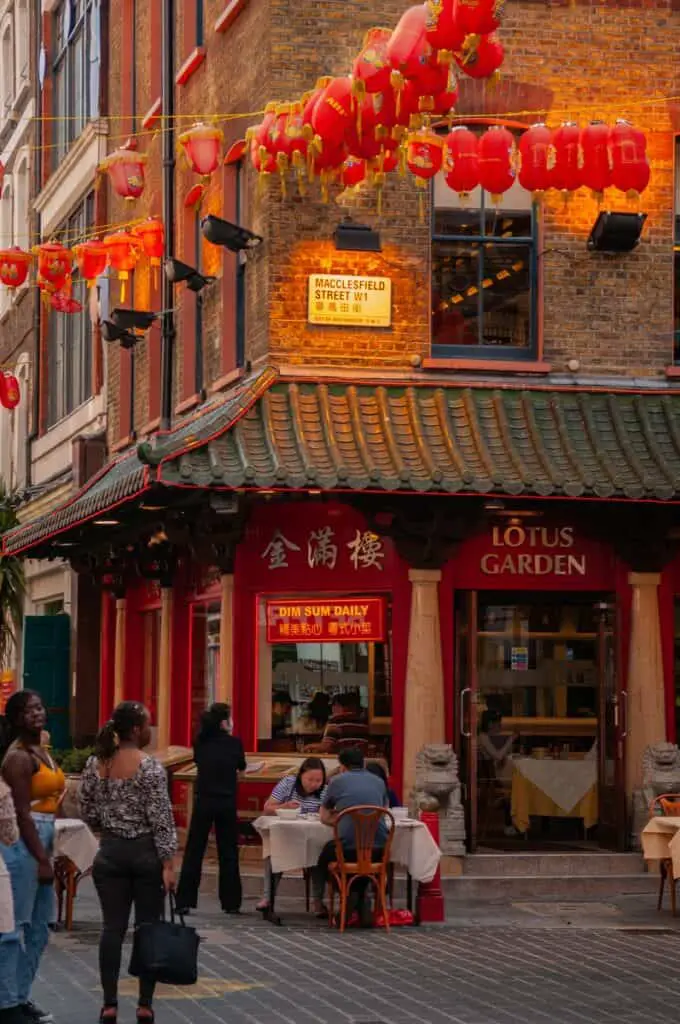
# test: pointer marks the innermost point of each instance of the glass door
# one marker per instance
(466, 707)
(611, 735)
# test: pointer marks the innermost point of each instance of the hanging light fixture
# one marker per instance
(54, 266)
(202, 145)
(91, 258)
(151, 234)
(14, 267)
(123, 253)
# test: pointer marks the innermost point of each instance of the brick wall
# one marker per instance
(613, 313)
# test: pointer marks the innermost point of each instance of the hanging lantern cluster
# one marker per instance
(359, 127)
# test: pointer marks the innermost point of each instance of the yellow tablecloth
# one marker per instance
(528, 799)
(661, 840)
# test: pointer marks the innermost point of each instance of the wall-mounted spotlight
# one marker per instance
(616, 232)
(111, 333)
(228, 235)
(181, 273)
(351, 237)
(133, 319)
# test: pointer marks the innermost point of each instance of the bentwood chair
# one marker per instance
(668, 806)
(366, 820)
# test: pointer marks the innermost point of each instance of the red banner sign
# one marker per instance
(336, 620)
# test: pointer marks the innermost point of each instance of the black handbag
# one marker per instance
(165, 951)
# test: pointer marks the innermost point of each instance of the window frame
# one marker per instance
(78, 104)
(8, 90)
(492, 353)
(70, 335)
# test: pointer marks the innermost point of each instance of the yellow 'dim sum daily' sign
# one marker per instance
(350, 301)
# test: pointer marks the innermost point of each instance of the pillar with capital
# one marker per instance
(424, 716)
(165, 669)
(225, 686)
(645, 717)
(119, 651)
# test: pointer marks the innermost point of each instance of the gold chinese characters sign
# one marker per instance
(350, 301)
(336, 621)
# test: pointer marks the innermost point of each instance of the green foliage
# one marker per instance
(12, 583)
(73, 761)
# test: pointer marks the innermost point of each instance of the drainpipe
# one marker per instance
(168, 129)
(34, 223)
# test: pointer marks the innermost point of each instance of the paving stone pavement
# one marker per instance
(527, 963)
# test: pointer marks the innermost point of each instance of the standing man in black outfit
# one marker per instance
(219, 757)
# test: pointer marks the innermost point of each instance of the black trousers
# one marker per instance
(125, 871)
(206, 814)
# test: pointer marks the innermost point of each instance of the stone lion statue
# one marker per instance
(660, 774)
(437, 788)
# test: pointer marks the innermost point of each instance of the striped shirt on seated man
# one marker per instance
(345, 728)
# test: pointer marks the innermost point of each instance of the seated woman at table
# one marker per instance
(305, 790)
(375, 768)
(494, 753)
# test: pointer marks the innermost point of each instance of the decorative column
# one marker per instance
(645, 714)
(225, 686)
(165, 669)
(424, 706)
(119, 651)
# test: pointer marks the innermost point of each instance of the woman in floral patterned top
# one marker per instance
(124, 795)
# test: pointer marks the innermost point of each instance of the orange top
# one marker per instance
(47, 785)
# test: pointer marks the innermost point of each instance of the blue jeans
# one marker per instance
(34, 907)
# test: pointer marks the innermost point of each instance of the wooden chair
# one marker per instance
(668, 806)
(366, 819)
(67, 878)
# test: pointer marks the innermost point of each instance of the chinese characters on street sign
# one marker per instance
(365, 551)
(349, 300)
(331, 621)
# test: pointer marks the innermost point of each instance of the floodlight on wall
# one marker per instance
(351, 237)
(111, 333)
(133, 319)
(181, 273)
(616, 232)
(228, 235)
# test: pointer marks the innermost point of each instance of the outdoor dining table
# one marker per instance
(75, 848)
(551, 787)
(294, 844)
(661, 841)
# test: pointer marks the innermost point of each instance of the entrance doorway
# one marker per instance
(540, 729)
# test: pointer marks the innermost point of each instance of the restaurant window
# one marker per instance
(676, 257)
(323, 697)
(205, 659)
(76, 71)
(484, 274)
(69, 343)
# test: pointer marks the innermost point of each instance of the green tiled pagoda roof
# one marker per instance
(273, 433)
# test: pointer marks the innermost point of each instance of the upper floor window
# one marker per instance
(484, 275)
(6, 68)
(6, 235)
(22, 43)
(22, 226)
(76, 71)
(69, 345)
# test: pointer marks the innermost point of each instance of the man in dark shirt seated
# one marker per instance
(352, 787)
(345, 728)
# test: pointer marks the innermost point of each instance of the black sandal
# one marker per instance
(146, 1014)
(108, 1015)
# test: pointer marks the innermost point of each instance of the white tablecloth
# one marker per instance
(297, 844)
(73, 839)
(661, 839)
(565, 782)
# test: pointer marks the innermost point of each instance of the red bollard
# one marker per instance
(430, 898)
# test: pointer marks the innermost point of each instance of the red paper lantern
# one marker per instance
(496, 161)
(125, 169)
(14, 267)
(353, 172)
(377, 114)
(483, 59)
(408, 49)
(424, 155)
(478, 17)
(567, 175)
(333, 111)
(54, 266)
(371, 70)
(461, 160)
(262, 160)
(10, 393)
(597, 173)
(309, 102)
(630, 167)
(65, 304)
(91, 259)
(151, 233)
(202, 144)
(386, 162)
(536, 153)
(442, 30)
(287, 141)
(123, 251)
